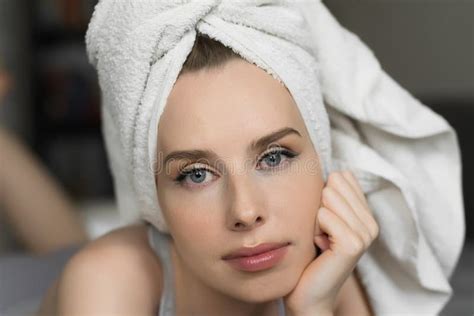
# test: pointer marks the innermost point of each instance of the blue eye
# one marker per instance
(197, 175)
(273, 158)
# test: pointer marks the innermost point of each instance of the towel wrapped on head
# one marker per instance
(405, 156)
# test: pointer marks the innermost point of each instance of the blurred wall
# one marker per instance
(426, 45)
(15, 110)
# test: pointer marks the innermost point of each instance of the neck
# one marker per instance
(195, 298)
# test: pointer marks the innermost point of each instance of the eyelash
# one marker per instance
(183, 174)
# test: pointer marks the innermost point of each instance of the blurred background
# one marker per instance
(51, 99)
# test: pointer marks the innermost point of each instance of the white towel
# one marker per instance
(405, 156)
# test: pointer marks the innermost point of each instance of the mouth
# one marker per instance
(262, 257)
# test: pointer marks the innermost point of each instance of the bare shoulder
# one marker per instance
(117, 273)
(352, 298)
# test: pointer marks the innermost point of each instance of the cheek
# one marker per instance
(189, 212)
(301, 203)
(192, 221)
(296, 195)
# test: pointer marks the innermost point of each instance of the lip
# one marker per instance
(258, 258)
(252, 251)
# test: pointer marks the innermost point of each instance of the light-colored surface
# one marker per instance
(100, 216)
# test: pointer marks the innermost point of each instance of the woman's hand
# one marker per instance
(344, 229)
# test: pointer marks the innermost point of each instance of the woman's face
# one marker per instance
(241, 196)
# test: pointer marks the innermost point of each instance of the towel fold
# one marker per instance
(405, 156)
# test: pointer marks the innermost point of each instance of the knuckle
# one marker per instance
(367, 239)
(375, 230)
(372, 227)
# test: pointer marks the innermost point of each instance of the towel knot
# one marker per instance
(162, 25)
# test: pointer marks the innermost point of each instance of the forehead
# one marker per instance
(235, 103)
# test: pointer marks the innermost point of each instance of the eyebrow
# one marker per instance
(256, 145)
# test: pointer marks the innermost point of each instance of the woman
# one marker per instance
(245, 196)
(226, 155)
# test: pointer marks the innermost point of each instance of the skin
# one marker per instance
(243, 200)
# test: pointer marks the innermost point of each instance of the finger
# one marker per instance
(333, 200)
(354, 183)
(362, 210)
(320, 237)
(342, 240)
(341, 178)
(322, 241)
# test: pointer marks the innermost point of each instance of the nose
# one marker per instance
(246, 209)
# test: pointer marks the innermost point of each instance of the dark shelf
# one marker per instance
(67, 99)
(53, 36)
(71, 130)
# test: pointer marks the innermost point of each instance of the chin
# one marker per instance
(265, 290)
(267, 295)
